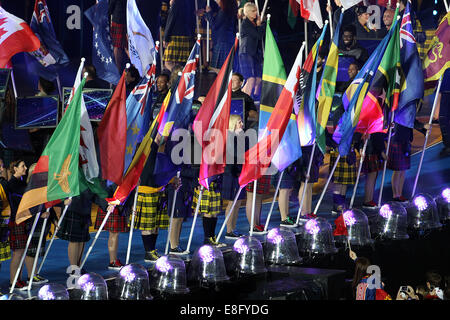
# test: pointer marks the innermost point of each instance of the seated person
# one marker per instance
(362, 30)
(352, 70)
(251, 113)
(388, 18)
(92, 81)
(349, 47)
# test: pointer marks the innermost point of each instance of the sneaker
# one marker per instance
(311, 216)
(369, 205)
(151, 256)
(232, 235)
(115, 265)
(288, 222)
(176, 251)
(258, 229)
(212, 241)
(20, 285)
(37, 279)
(400, 199)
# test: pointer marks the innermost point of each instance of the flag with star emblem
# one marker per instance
(102, 48)
(56, 175)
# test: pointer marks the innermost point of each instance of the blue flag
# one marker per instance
(50, 55)
(102, 49)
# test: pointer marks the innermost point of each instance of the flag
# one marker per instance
(273, 80)
(327, 88)
(293, 9)
(437, 59)
(211, 123)
(15, 36)
(306, 115)
(50, 55)
(140, 41)
(310, 10)
(102, 48)
(341, 228)
(257, 158)
(347, 4)
(56, 173)
(112, 135)
(138, 113)
(353, 97)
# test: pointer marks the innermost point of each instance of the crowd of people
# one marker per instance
(152, 209)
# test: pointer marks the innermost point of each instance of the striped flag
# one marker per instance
(310, 10)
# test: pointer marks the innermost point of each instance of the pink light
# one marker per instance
(206, 253)
(239, 246)
(127, 273)
(421, 203)
(446, 194)
(312, 227)
(274, 236)
(163, 265)
(349, 219)
(45, 293)
(385, 211)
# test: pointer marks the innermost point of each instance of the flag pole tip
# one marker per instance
(85, 74)
(128, 66)
(180, 73)
(157, 43)
(398, 4)
(326, 21)
(199, 36)
(268, 16)
(83, 59)
(237, 35)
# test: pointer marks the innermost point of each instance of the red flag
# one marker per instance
(211, 123)
(310, 10)
(259, 157)
(341, 228)
(112, 135)
(15, 36)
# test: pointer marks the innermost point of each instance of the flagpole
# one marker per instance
(446, 5)
(58, 82)
(207, 35)
(264, 10)
(426, 136)
(361, 160)
(331, 20)
(53, 236)
(255, 184)
(194, 220)
(13, 83)
(306, 35)
(13, 285)
(197, 23)
(108, 213)
(171, 216)
(133, 215)
(385, 161)
(326, 185)
(36, 258)
(229, 214)
(273, 200)
(305, 184)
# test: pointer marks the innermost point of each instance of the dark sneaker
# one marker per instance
(288, 222)
(20, 285)
(212, 241)
(37, 279)
(151, 256)
(233, 235)
(177, 251)
(369, 205)
(258, 229)
(116, 265)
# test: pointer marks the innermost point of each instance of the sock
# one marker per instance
(145, 241)
(213, 226)
(149, 242)
(208, 227)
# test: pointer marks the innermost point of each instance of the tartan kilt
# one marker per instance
(19, 233)
(115, 223)
(399, 158)
(151, 212)
(178, 49)
(202, 31)
(344, 173)
(372, 163)
(230, 187)
(262, 187)
(5, 251)
(220, 54)
(75, 227)
(119, 35)
(211, 202)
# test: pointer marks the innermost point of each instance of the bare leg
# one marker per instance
(369, 187)
(118, 58)
(395, 182)
(175, 232)
(231, 223)
(307, 202)
(283, 203)
(401, 182)
(73, 251)
(248, 207)
(257, 88)
(113, 243)
(15, 261)
(249, 85)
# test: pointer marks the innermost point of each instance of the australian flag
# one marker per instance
(412, 87)
(102, 49)
(51, 54)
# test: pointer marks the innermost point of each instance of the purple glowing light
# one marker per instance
(206, 253)
(274, 236)
(240, 246)
(312, 227)
(45, 293)
(162, 265)
(88, 286)
(127, 273)
(349, 219)
(385, 211)
(421, 203)
(446, 194)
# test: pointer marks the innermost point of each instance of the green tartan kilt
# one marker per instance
(151, 212)
(211, 202)
(344, 173)
(178, 49)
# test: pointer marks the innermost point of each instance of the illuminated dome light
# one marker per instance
(349, 219)
(206, 253)
(163, 265)
(46, 294)
(446, 194)
(274, 236)
(421, 203)
(312, 227)
(127, 273)
(385, 211)
(240, 247)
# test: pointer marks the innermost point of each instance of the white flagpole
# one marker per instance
(305, 184)
(207, 35)
(273, 200)
(331, 20)
(446, 5)
(306, 35)
(387, 157)
(171, 216)
(133, 215)
(264, 10)
(194, 220)
(197, 23)
(326, 185)
(255, 184)
(229, 214)
(13, 83)
(361, 160)
(426, 136)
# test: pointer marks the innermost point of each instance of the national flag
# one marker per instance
(50, 56)
(347, 4)
(211, 123)
(15, 36)
(353, 97)
(140, 41)
(102, 48)
(138, 113)
(112, 135)
(341, 228)
(259, 157)
(327, 88)
(293, 10)
(56, 175)
(310, 10)
(273, 81)
(437, 59)
(306, 115)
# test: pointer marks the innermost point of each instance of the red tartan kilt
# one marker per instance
(262, 186)
(119, 35)
(17, 235)
(115, 223)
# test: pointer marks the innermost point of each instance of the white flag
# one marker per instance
(140, 41)
(310, 10)
(346, 4)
